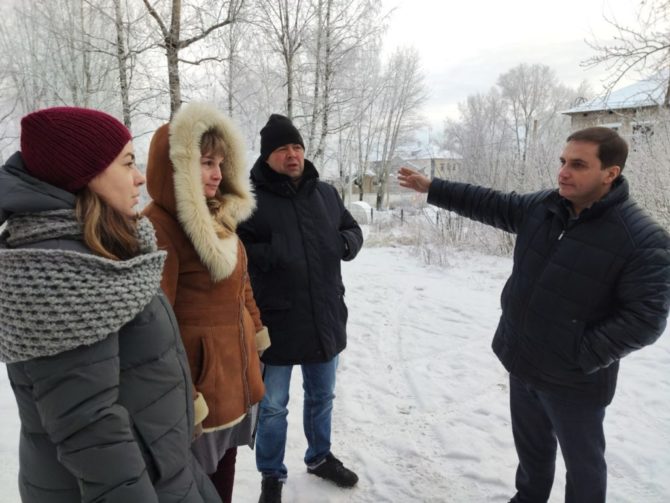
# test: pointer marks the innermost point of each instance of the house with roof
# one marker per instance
(631, 110)
(440, 164)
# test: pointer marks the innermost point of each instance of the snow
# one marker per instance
(421, 412)
(361, 212)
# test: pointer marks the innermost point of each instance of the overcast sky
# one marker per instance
(466, 44)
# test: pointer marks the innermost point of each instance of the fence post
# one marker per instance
(372, 215)
(402, 216)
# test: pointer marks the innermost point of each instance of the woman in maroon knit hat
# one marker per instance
(92, 350)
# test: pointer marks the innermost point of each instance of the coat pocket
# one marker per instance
(274, 311)
(207, 355)
(344, 312)
(560, 347)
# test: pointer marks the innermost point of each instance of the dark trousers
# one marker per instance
(540, 421)
(224, 476)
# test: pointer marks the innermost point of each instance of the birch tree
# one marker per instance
(48, 47)
(510, 138)
(483, 137)
(123, 46)
(402, 96)
(285, 24)
(344, 32)
(200, 20)
(527, 89)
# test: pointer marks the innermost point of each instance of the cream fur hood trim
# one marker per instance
(187, 127)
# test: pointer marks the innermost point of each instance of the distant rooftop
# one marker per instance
(403, 157)
(645, 93)
(424, 152)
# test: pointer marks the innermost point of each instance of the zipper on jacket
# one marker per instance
(524, 310)
(245, 356)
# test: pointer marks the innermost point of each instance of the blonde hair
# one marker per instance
(107, 232)
(213, 143)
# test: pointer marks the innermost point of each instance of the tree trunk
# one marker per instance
(121, 59)
(317, 76)
(173, 77)
(86, 63)
(327, 81)
(289, 87)
(172, 46)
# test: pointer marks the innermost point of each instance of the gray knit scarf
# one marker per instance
(53, 300)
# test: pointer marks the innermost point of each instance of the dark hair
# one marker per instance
(612, 149)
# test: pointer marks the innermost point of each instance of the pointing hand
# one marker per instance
(414, 180)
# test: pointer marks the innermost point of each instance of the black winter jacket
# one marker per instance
(295, 241)
(583, 292)
(111, 421)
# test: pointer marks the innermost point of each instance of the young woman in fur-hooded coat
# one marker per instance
(200, 191)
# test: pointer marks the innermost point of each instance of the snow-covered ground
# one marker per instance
(422, 405)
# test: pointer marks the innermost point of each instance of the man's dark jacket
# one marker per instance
(295, 241)
(584, 292)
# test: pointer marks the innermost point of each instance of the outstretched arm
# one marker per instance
(503, 210)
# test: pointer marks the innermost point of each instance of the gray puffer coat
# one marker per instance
(110, 421)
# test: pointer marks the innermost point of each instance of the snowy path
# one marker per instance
(421, 411)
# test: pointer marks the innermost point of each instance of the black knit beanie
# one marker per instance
(278, 131)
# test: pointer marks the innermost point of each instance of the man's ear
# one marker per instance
(613, 173)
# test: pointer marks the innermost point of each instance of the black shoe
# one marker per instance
(332, 469)
(271, 490)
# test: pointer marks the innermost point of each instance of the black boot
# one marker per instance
(271, 490)
(333, 470)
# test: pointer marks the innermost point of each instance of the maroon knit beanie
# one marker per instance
(69, 146)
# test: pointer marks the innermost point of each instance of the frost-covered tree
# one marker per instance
(49, 54)
(248, 57)
(510, 138)
(648, 167)
(483, 137)
(342, 33)
(285, 24)
(400, 92)
(642, 48)
(182, 24)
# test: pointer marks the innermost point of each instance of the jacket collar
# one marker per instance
(263, 176)
(23, 193)
(618, 193)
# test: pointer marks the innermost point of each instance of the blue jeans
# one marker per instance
(319, 387)
(541, 419)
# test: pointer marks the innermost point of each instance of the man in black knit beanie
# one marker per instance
(296, 241)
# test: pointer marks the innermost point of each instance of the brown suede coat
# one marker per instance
(205, 276)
